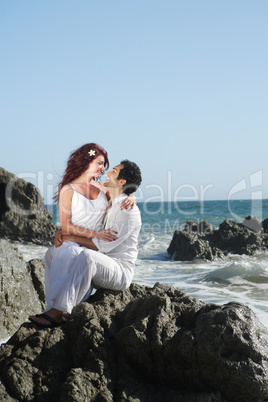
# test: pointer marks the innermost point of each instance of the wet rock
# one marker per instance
(202, 241)
(187, 246)
(18, 295)
(199, 227)
(23, 216)
(252, 223)
(265, 225)
(235, 238)
(142, 344)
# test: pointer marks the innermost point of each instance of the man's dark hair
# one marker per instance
(132, 174)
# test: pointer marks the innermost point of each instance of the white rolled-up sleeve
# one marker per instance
(125, 223)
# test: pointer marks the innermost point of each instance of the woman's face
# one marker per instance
(96, 167)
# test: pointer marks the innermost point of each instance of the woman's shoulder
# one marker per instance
(68, 187)
(67, 190)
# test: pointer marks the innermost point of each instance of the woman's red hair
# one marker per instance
(78, 163)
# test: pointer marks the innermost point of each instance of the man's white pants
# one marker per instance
(89, 269)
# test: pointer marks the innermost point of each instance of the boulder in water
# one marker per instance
(202, 241)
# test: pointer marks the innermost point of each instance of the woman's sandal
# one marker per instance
(53, 323)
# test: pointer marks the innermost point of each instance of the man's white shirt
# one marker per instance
(127, 224)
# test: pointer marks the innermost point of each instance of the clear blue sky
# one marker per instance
(180, 87)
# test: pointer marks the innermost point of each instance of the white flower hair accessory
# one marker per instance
(91, 152)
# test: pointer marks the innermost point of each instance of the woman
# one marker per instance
(82, 204)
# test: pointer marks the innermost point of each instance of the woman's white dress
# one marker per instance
(59, 261)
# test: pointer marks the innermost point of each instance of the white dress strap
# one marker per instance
(73, 187)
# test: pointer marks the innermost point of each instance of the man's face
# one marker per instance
(112, 176)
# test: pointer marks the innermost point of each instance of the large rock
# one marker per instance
(202, 241)
(187, 245)
(142, 344)
(199, 227)
(236, 238)
(22, 289)
(23, 215)
(265, 225)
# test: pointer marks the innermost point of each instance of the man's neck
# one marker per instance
(115, 192)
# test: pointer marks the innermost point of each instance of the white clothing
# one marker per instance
(91, 270)
(112, 270)
(127, 224)
(59, 261)
(88, 213)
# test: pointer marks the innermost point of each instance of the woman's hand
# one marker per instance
(106, 234)
(58, 238)
(129, 202)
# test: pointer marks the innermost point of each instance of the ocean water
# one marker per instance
(237, 278)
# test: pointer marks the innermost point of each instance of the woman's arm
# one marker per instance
(129, 202)
(65, 203)
(82, 241)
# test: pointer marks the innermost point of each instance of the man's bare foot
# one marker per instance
(49, 319)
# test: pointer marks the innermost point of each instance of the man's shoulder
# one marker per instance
(134, 210)
(118, 201)
(133, 215)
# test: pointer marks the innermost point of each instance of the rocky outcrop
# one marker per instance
(202, 241)
(265, 225)
(21, 288)
(23, 215)
(142, 344)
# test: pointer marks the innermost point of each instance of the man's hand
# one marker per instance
(106, 234)
(58, 238)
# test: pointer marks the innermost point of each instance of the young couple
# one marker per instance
(97, 243)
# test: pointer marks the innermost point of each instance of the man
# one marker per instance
(109, 265)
